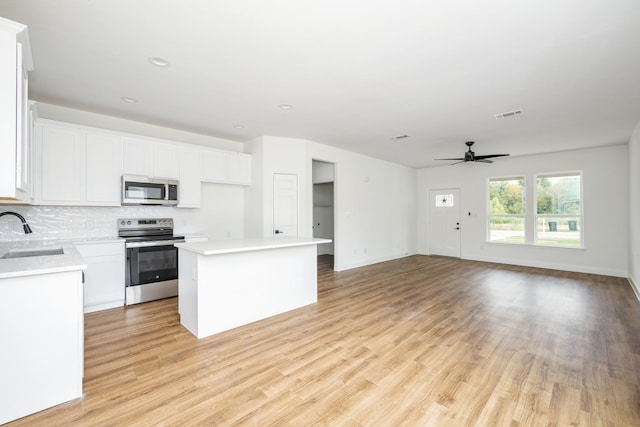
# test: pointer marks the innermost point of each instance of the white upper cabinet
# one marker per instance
(226, 167)
(15, 152)
(77, 167)
(190, 189)
(137, 156)
(150, 158)
(104, 169)
(164, 160)
(61, 154)
(82, 166)
(215, 166)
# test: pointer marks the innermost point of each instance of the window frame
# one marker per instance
(537, 216)
(523, 215)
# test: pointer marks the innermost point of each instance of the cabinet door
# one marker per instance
(137, 157)
(165, 160)
(190, 190)
(8, 88)
(23, 150)
(104, 169)
(104, 275)
(215, 166)
(63, 168)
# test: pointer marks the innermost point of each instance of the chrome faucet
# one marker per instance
(25, 226)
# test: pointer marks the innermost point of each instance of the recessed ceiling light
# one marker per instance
(285, 106)
(129, 100)
(238, 127)
(159, 61)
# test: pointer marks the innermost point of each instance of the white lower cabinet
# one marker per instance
(41, 361)
(104, 276)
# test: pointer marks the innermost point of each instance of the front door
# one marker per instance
(285, 205)
(444, 222)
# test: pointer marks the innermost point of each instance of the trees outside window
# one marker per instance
(507, 210)
(559, 210)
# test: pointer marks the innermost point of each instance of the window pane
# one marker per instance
(559, 231)
(558, 195)
(506, 196)
(444, 200)
(506, 229)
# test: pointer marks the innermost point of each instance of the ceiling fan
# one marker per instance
(470, 156)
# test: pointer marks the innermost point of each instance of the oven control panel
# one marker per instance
(138, 223)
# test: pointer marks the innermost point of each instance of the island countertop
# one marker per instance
(247, 245)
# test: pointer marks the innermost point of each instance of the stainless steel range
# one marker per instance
(151, 259)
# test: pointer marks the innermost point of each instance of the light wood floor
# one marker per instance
(420, 341)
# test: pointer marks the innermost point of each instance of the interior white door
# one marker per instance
(285, 205)
(444, 222)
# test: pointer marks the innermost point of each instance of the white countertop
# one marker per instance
(29, 266)
(245, 245)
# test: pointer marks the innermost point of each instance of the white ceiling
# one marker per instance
(357, 72)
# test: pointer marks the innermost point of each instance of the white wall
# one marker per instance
(254, 225)
(220, 217)
(271, 155)
(605, 203)
(634, 210)
(374, 204)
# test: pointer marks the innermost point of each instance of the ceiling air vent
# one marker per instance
(400, 137)
(508, 114)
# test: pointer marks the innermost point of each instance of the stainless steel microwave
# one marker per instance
(142, 190)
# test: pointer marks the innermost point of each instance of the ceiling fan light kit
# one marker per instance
(470, 156)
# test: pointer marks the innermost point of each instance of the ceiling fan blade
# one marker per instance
(457, 158)
(459, 161)
(483, 160)
(489, 156)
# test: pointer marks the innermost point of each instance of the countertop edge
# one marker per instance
(71, 260)
(247, 245)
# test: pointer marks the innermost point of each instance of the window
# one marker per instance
(559, 209)
(444, 200)
(507, 210)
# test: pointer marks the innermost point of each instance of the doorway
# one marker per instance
(444, 222)
(323, 209)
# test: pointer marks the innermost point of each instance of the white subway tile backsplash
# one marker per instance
(59, 222)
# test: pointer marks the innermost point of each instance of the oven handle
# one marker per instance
(154, 243)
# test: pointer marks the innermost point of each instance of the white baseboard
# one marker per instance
(364, 263)
(553, 266)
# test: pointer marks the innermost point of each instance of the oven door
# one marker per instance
(151, 264)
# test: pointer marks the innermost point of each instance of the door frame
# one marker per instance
(458, 204)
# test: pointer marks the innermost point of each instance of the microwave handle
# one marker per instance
(164, 192)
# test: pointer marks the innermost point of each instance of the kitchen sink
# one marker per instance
(23, 253)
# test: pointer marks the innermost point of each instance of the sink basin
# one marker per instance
(32, 252)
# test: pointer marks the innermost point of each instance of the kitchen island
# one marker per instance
(226, 284)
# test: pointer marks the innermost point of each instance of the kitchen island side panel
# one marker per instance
(188, 290)
(235, 289)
